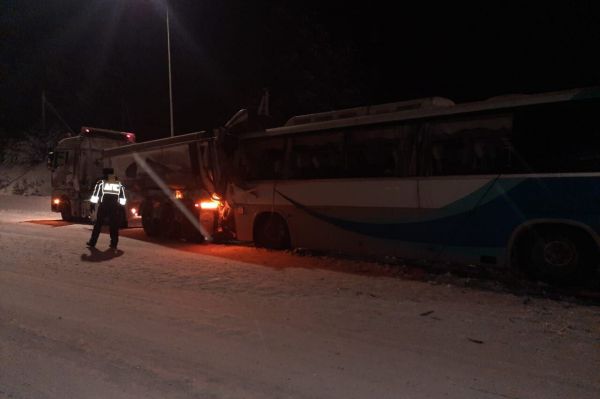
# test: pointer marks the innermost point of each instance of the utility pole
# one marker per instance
(170, 83)
(44, 112)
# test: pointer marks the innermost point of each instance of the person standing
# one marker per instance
(109, 195)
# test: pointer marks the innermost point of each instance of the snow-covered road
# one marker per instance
(186, 321)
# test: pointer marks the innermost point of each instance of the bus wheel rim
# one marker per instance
(559, 253)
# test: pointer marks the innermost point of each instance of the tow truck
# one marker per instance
(169, 183)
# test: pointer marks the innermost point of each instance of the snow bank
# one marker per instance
(15, 208)
(25, 180)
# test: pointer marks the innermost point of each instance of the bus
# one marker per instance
(510, 181)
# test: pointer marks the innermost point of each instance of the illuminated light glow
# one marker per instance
(56, 201)
(94, 199)
(197, 205)
(134, 211)
(87, 130)
(209, 204)
(178, 194)
(122, 201)
(215, 197)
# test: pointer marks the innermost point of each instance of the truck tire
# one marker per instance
(123, 216)
(149, 223)
(65, 212)
(195, 236)
(169, 226)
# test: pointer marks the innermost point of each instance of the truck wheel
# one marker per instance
(65, 212)
(271, 231)
(168, 224)
(195, 236)
(149, 223)
(123, 217)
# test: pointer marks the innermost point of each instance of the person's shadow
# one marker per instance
(101, 256)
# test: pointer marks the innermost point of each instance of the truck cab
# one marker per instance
(76, 165)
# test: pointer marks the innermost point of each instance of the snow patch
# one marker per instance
(26, 180)
(17, 208)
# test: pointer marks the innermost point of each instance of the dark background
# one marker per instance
(104, 62)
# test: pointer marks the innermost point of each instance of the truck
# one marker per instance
(170, 183)
(76, 164)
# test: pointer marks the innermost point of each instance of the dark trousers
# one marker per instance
(108, 210)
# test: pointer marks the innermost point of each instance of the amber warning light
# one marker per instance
(56, 201)
(213, 203)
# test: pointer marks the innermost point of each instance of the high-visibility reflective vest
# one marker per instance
(106, 187)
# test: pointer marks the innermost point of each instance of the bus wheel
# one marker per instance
(65, 212)
(557, 255)
(271, 231)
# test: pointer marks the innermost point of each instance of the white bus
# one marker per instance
(514, 180)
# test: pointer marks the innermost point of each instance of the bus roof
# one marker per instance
(418, 109)
(418, 104)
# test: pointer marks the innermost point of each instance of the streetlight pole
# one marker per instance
(170, 83)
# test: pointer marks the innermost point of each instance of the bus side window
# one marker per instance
(470, 146)
(450, 154)
(262, 159)
(559, 137)
(317, 156)
(382, 151)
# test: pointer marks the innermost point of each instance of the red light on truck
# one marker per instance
(209, 204)
(213, 203)
(130, 137)
(56, 201)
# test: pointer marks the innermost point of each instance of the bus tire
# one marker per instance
(560, 255)
(271, 231)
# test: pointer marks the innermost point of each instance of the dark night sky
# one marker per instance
(103, 62)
